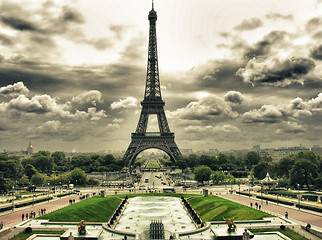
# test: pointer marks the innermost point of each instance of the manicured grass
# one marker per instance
(152, 164)
(213, 208)
(287, 232)
(95, 209)
(24, 236)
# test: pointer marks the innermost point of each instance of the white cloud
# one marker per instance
(234, 97)
(129, 102)
(14, 90)
(275, 72)
(93, 97)
(205, 108)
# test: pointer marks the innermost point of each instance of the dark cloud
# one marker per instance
(314, 24)
(70, 15)
(18, 24)
(234, 97)
(274, 16)
(264, 46)
(276, 72)
(250, 24)
(316, 52)
(6, 40)
(119, 30)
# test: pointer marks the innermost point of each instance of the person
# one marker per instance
(1, 225)
(308, 227)
(286, 214)
(70, 237)
(251, 205)
(26, 215)
(22, 216)
(246, 235)
(259, 207)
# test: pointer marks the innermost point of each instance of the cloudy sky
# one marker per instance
(233, 73)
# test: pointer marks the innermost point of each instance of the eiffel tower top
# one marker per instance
(152, 88)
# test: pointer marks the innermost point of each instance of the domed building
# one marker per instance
(30, 149)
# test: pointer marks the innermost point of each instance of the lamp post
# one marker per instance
(13, 198)
(298, 193)
(48, 190)
(262, 193)
(33, 195)
(60, 190)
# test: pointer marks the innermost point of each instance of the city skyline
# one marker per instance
(233, 74)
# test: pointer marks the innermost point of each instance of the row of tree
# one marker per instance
(302, 169)
(43, 167)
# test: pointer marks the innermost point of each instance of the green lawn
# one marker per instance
(213, 208)
(24, 236)
(287, 232)
(152, 164)
(95, 209)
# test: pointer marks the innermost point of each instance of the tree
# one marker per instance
(202, 173)
(218, 176)
(30, 170)
(181, 163)
(37, 179)
(79, 175)
(11, 168)
(304, 172)
(260, 170)
(252, 158)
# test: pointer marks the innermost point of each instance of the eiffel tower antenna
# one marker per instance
(152, 104)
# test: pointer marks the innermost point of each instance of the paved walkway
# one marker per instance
(11, 218)
(299, 216)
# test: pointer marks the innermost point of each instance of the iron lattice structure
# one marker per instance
(152, 104)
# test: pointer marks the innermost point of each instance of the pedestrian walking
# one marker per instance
(26, 215)
(246, 235)
(251, 205)
(259, 207)
(286, 214)
(34, 214)
(256, 205)
(22, 216)
(1, 225)
(42, 211)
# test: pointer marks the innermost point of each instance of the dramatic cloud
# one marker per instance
(129, 102)
(275, 72)
(207, 107)
(250, 24)
(93, 97)
(14, 90)
(316, 52)
(234, 97)
(267, 114)
(264, 46)
(297, 108)
(314, 24)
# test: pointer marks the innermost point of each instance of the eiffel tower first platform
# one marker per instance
(152, 104)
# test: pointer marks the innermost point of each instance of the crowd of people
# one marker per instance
(32, 214)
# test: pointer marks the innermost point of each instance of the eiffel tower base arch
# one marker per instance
(140, 143)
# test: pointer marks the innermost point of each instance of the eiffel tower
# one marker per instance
(152, 104)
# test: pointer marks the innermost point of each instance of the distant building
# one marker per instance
(30, 149)
(279, 153)
(317, 150)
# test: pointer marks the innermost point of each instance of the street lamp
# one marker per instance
(33, 194)
(60, 190)
(13, 198)
(48, 190)
(298, 193)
